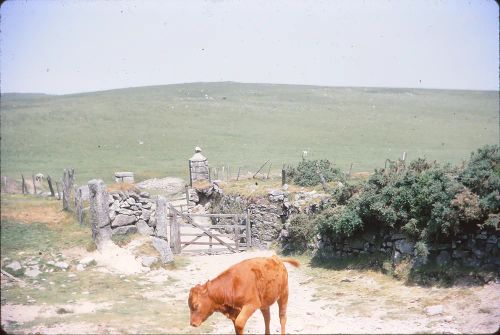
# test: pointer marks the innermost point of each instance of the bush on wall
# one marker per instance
(426, 201)
(307, 172)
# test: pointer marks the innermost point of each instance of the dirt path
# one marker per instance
(320, 301)
(387, 307)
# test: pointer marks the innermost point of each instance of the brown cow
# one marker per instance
(239, 291)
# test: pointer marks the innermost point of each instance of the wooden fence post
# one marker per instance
(34, 186)
(23, 185)
(190, 175)
(283, 177)
(238, 177)
(175, 233)
(49, 181)
(321, 178)
(350, 171)
(269, 170)
(187, 196)
(260, 168)
(248, 232)
(237, 233)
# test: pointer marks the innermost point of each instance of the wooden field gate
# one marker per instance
(195, 231)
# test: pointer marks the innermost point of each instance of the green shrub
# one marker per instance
(422, 250)
(482, 176)
(306, 172)
(301, 232)
(342, 193)
(426, 201)
(340, 221)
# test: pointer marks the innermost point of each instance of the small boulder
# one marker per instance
(32, 272)
(62, 265)
(148, 260)
(123, 230)
(14, 266)
(87, 260)
(145, 215)
(123, 220)
(163, 248)
(143, 228)
(434, 310)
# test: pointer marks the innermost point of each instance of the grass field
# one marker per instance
(153, 130)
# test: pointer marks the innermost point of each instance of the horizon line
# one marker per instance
(253, 83)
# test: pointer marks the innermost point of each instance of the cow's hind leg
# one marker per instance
(241, 320)
(282, 304)
(267, 318)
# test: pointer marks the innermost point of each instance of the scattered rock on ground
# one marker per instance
(14, 266)
(163, 248)
(434, 310)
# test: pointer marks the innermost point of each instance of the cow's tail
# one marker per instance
(292, 261)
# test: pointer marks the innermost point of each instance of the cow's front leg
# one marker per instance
(241, 320)
(267, 319)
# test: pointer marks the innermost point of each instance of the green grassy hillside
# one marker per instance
(153, 130)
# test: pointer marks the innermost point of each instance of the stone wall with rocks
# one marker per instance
(480, 249)
(131, 212)
(268, 213)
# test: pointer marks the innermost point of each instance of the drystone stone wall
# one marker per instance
(130, 212)
(269, 217)
(480, 249)
(268, 214)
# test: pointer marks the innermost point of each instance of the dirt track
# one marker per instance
(369, 313)
(320, 301)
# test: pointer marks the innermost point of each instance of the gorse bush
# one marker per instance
(426, 201)
(340, 221)
(482, 176)
(301, 231)
(307, 172)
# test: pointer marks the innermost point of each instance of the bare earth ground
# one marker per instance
(321, 301)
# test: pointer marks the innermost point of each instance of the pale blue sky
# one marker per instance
(63, 47)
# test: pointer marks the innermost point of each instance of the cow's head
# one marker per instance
(200, 304)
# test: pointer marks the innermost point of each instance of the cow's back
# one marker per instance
(261, 279)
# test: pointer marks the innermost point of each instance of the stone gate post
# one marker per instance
(99, 216)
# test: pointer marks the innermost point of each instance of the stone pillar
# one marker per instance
(160, 242)
(68, 179)
(161, 217)
(198, 167)
(99, 216)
